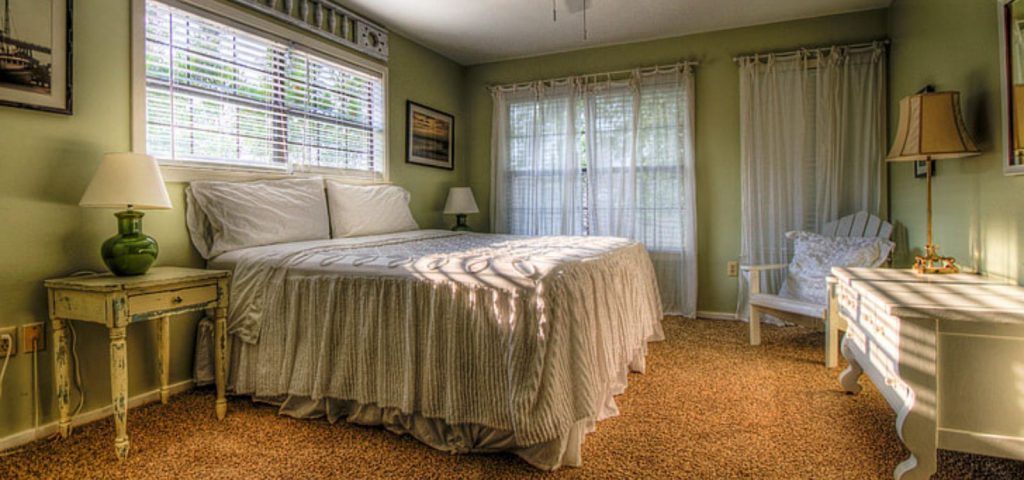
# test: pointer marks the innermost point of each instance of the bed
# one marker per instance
(468, 342)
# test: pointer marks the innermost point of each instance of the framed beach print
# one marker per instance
(35, 54)
(430, 137)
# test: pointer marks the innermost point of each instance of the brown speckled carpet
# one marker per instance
(710, 406)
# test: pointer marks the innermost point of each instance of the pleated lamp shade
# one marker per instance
(460, 201)
(127, 180)
(931, 126)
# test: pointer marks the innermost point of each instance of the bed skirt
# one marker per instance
(562, 451)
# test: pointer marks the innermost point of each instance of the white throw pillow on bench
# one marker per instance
(814, 256)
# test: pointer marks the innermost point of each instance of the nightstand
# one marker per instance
(117, 302)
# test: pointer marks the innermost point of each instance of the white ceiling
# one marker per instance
(480, 31)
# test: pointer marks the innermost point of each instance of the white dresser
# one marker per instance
(946, 352)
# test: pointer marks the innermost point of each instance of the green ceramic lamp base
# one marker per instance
(130, 252)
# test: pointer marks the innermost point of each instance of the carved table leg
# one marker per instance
(220, 360)
(61, 372)
(848, 378)
(119, 389)
(917, 430)
(165, 358)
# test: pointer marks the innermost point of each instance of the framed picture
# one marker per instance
(430, 139)
(35, 55)
(920, 169)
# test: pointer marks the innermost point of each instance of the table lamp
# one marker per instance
(131, 181)
(460, 203)
(931, 128)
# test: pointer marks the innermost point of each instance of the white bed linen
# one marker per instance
(469, 342)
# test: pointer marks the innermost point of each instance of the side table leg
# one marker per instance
(165, 358)
(220, 360)
(119, 389)
(61, 372)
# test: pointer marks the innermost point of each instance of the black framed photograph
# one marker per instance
(921, 169)
(430, 137)
(35, 55)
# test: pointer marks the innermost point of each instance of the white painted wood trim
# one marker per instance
(1004, 87)
(46, 430)
(711, 315)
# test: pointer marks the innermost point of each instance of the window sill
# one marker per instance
(185, 173)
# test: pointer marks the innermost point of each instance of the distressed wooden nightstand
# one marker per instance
(119, 301)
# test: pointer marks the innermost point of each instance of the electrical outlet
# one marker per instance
(733, 268)
(32, 338)
(8, 341)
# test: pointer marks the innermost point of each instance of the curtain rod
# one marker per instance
(643, 70)
(814, 51)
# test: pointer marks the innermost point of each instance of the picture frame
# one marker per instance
(920, 170)
(430, 136)
(36, 55)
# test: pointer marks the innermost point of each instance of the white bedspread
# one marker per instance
(525, 335)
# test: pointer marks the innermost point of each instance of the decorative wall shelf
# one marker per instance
(328, 20)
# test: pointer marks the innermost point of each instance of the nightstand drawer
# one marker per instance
(172, 299)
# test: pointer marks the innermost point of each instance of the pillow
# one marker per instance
(227, 216)
(368, 209)
(814, 256)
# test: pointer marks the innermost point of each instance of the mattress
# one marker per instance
(468, 342)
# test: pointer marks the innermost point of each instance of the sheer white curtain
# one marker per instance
(812, 146)
(535, 174)
(628, 172)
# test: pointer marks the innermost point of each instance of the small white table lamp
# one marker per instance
(460, 203)
(130, 181)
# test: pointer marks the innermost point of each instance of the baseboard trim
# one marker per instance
(45, 430)
(707, 315)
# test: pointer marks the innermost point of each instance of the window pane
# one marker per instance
(220, 95)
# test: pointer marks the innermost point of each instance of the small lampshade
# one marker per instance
(127, 179)
(460, 201)
(931, 126)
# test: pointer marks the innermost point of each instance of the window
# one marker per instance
(233, 96)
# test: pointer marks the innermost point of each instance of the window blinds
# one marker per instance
(218, 95)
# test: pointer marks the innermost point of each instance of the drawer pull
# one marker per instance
(176, 300)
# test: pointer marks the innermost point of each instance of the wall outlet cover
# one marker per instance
(32, 338)
(5, 345)
(733, 268)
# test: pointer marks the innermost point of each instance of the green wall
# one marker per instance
(717, 118)
(979, 212)
(47, 160)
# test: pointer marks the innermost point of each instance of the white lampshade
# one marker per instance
(931, 127)
(460, 201)
(127, 180)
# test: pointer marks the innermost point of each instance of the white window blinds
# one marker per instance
(219, 95)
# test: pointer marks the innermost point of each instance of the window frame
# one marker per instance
(185, 171)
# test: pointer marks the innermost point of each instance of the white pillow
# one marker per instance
(358, 210)
(814, 256)
(227, 216)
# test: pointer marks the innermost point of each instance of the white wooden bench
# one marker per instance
(812, 315)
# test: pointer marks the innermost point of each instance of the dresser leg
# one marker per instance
(165, 358)
(848, 378)
(61, 375)
(917, 431)
(119, 389)
(220, 360)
